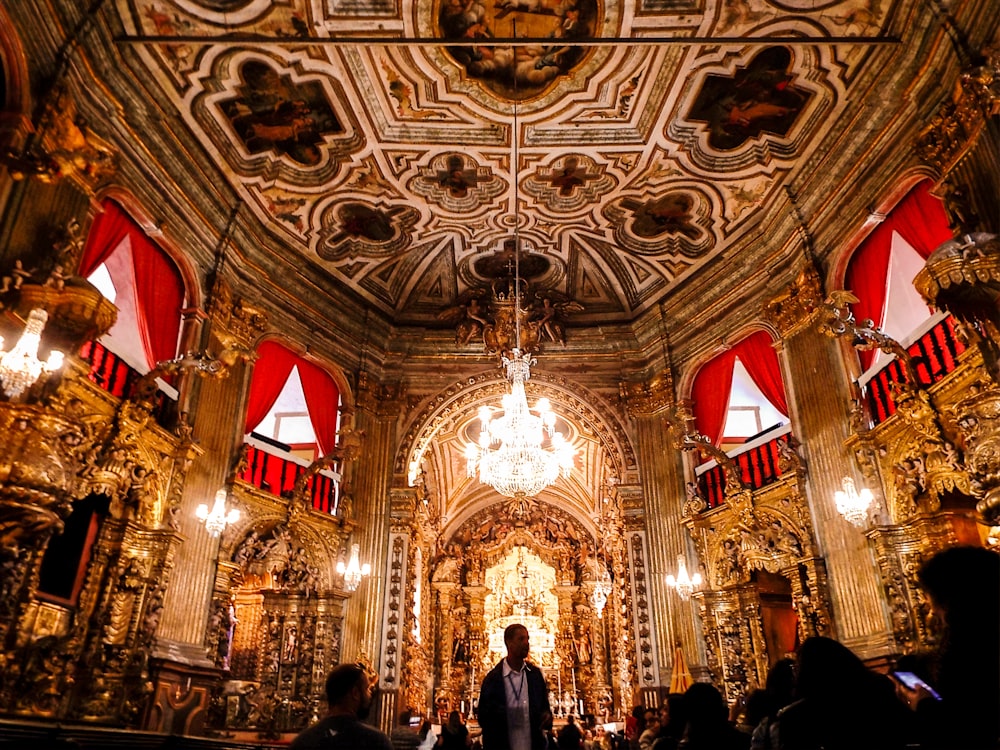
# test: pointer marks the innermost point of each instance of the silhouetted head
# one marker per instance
(827, 669)
(963, 582)
(705, 705)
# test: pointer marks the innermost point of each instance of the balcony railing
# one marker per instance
(108, 370)
(935, 354)
(112, 374)
(277, 474)
(757, 462)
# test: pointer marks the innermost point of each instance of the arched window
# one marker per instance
(292, 418)
(881, 271)
(744, 379)
(739, 400)
(146, 287)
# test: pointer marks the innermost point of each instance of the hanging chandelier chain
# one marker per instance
(514, 170)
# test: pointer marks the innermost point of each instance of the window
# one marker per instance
(743, 381)
(749, 412)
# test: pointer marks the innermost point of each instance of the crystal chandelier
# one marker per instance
(510, 456)
(20, 367)
(354, 571)
(602, 590)
(854, 506)
(684, 584)
(217, 518)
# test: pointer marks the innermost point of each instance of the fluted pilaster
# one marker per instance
(819, 398)
(186, 604)
(661, 472)
(378, 409)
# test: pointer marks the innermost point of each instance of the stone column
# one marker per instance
(661, 471)
(217, 433)
(369, 483)
(819, 397)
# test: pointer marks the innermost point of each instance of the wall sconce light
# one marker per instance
(217, 518)
(20, 367)
(684, 584)
(354, 571)
(854, 506)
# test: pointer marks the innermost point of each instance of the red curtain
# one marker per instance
(866, 278)
(274, 365)
(159, 295)
(714, 383)
(710, 394)
(109, 228)
(158, 288)
(757, 354)
(322, 400)
(920, 220)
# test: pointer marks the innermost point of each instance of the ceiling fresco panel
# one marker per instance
(390, 163)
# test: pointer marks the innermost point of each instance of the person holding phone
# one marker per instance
(961, 705)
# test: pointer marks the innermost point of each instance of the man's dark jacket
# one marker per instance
(492, 709)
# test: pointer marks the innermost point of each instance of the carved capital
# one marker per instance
(649, 398)
(381, 399)
(791, 311)
(960, 121)
(236, 323)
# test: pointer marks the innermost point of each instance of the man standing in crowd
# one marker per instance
(349, 695)
(514, 708)
(570, 736)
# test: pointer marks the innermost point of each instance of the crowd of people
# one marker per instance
(825, 698)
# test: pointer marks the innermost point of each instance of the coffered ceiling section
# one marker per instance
(398, 146)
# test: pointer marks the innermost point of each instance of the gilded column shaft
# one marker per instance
(189, 594)
(819, 397)
(370, 483)
(662, 475)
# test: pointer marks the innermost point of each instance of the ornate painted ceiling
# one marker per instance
(399, 146)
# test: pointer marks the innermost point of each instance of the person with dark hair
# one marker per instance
(708, 726)
(634, 725)
(403, 736)
(779, 691)
(513, 704)
(963, 584)
(673, 720)
(570, 736)
(840, 705)
(454, 734)
(349, 694)
(426, 735)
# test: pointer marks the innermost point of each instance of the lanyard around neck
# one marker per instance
(520, 686)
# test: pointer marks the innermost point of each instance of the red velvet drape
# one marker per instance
(322, 400)
(159, 295)
(710, 394)
(919, 219)
(109, 228)
(158, 287)
(274, 365)
(714, 383)
(757, 354)
(867, 279)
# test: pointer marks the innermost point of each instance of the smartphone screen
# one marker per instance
(912, 681)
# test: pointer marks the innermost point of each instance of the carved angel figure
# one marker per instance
(548, 313)
(468, 315)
